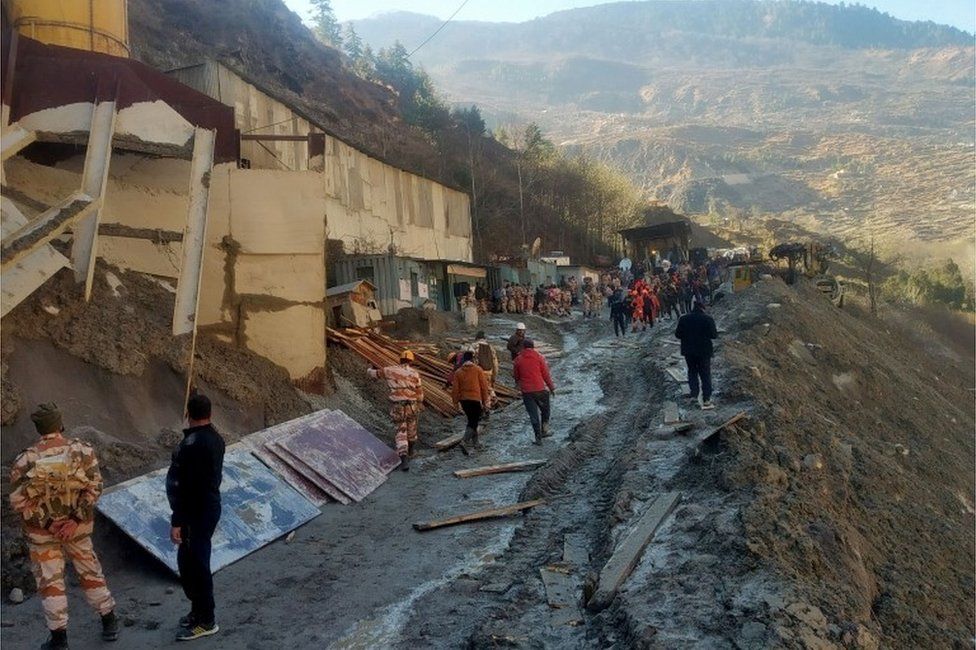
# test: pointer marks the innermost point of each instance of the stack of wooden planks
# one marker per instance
(381, 351)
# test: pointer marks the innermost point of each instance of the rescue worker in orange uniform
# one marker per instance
(406, 402)
(55, 484)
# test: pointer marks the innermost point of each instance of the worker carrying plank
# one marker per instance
(54, 486)
(406, 402)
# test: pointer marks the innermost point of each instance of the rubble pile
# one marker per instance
(381, 350)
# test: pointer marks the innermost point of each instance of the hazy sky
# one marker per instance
(960, 13)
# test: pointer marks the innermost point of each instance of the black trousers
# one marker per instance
(700, 371)
(193, 560)
(472, 410)
(619, 324)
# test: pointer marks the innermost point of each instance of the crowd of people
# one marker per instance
(548, 300)
(640, 296)
(637, 300)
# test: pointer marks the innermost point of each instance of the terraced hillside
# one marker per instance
(835, 117)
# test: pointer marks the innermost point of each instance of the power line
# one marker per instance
(437, 31)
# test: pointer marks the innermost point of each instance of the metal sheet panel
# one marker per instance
(340, 450)
(257, 442)
(385, 273)
(299, 466)
(258, 507)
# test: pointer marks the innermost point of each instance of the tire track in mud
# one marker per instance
(582, 485)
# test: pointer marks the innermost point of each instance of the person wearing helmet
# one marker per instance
(517, 340)
(406, 402)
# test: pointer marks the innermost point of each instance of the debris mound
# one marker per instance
(381, 350)
(860, 457)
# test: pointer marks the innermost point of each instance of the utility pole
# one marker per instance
(518, 169)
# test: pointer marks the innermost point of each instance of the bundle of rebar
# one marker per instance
(381, 351)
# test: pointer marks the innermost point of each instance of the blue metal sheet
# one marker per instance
(258, 508)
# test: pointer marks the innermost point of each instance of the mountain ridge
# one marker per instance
(840, 138)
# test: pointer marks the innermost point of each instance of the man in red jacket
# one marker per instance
(531, 374)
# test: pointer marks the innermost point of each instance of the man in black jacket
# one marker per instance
(696, 331)
(618, 315)
(193, 490)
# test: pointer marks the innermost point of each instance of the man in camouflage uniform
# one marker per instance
(54, 486)
(406, 402)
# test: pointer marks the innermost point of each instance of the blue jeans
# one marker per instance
(700, 369)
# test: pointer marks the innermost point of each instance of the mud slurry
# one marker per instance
(607, 471)
(806, 525)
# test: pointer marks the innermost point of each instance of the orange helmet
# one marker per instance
(407, 355)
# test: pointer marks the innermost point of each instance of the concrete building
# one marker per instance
(245, 243)
(370, 204)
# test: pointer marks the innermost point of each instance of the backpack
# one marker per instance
(485, 357)
(57, 479)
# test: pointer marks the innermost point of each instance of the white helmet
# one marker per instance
(520, 326)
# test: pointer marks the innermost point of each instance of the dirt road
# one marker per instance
(360, 577)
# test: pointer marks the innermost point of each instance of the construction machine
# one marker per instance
(812, 260)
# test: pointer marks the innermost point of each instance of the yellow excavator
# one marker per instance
(812, 260)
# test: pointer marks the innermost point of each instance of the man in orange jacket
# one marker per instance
(470, 390)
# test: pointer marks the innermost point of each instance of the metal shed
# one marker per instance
(400, 281)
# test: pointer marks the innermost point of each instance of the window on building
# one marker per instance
(365, 273)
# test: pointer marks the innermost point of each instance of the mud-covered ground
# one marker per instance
(760, 552)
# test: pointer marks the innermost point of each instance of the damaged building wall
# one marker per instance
(263, 284)
(255, 112)
(370, 205)
(264, 267)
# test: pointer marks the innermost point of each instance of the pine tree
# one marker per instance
(352, 44)
(326, 26)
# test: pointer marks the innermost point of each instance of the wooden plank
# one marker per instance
(449, 442)
(680, 376)
(478, 516)
(521, 466)
(561, 594)
(94, 177)
(45, 227)
(628, 553)
(671, 413)
(708, 434)
(14, 140)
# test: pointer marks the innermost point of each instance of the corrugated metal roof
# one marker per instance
(349, 287)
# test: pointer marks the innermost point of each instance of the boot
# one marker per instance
(538, 435)
(58, 640)
(110, 627)
(474, 440)
(469, 442)
(405, 463)
(545, 430)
